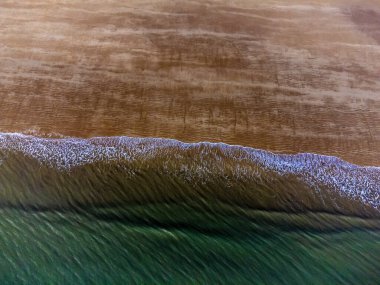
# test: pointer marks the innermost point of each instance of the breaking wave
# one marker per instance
(116, 171)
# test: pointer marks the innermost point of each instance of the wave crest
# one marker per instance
(132, 169)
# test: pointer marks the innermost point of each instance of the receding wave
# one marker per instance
(117, 171)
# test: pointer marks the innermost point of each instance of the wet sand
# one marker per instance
(286, 76)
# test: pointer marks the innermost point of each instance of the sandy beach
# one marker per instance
(277, 75)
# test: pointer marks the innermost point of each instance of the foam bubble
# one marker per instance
(318, 171)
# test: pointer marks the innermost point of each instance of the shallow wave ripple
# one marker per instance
(200, 163)
(122, 210)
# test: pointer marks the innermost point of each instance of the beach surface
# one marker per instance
(285, 76)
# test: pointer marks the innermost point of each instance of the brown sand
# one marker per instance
(288, 76)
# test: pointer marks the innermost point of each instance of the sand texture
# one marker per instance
(286, 76)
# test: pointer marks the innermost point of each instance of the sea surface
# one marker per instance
(123, 210)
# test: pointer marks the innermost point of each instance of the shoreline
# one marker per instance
(304, 180)
(247, 73)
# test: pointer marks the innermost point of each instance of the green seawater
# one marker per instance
(165, 244)
(155, 211)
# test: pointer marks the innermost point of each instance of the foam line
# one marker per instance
(318, 171)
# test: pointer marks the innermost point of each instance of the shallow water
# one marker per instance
(122, 210)
(173, 245)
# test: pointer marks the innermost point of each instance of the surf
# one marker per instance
(151, 210)
(61, 173)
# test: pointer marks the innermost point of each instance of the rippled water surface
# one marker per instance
(118, 209)
(179, 245)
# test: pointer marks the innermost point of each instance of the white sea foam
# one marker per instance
(317, 171)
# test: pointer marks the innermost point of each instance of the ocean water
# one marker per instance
(121, 210)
